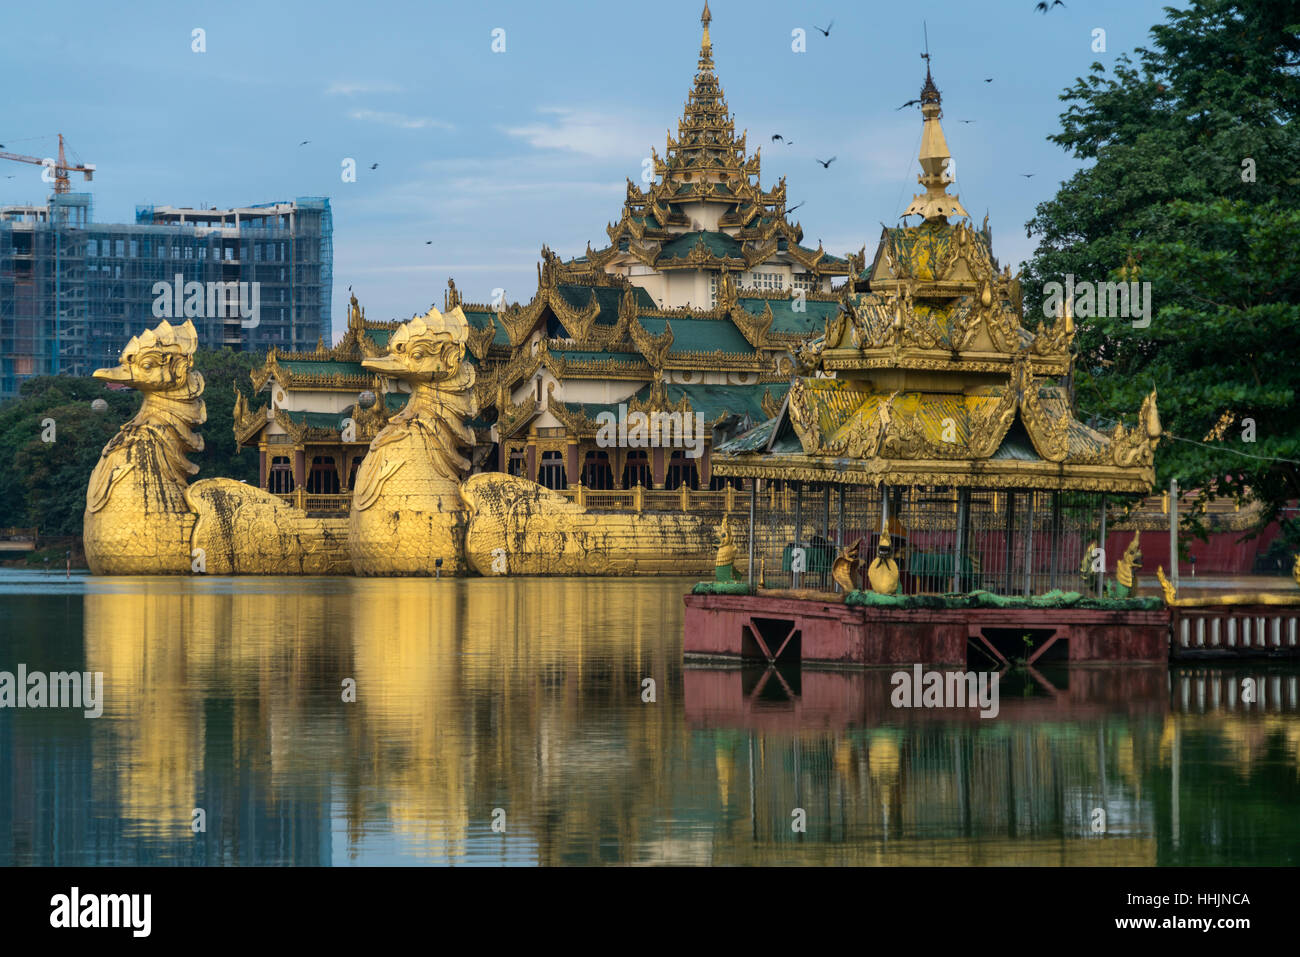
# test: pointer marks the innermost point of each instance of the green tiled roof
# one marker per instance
(579, 297)
(480, 320)
(323, 367)
(785, 319)
(713, 400)
(318, 420)
(701, 335)
(720, 244)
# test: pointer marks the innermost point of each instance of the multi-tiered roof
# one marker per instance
(601, 316)
(929, 374)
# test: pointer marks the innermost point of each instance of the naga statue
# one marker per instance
(847, 567)
(1125, 581)
(142, 515)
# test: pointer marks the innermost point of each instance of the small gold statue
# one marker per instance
(883, 573)
(724, 564)
(1087, 569)
(847, 567)
(1126, 569)
(1166, 586)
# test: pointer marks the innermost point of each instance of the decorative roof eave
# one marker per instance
(511, 417)
(654, 348)
(717, 361)
(814, 261)
(562, 368)
(987, 473)
(247, 426)
(755, 329)
(938, 359)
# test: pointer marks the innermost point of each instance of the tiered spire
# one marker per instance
(706, 133)
(935, 205)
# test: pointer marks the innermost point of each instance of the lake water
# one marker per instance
(520, 702)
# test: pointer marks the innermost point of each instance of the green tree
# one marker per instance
(223, 370)
(44, 483)
(1190, 184)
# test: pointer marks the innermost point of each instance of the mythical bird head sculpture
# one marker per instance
(428, 349)
(160, 360)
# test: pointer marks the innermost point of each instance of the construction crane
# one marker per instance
(61, 168)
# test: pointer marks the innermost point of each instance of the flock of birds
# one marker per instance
(1041, 7)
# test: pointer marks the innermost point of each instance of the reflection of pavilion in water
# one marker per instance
(231, 702)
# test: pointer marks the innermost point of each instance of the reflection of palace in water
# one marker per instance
(527, 696)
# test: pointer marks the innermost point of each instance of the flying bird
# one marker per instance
(374, 166)
(1043, 7)
(965, 121)
(988, 79)
(909, 103)
(793, 208)
(827, 30)
(826, 164)
(304, 142)
(428, 242)
(1027, 175)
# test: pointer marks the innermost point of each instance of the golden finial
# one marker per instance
(935, 205)
(706, 45)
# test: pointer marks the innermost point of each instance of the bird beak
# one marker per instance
(386, 365)
(118, 373)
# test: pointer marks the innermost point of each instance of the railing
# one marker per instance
(1235, 630)
(302, 499)
(638, 499)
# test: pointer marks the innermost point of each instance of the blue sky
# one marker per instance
(490, 155)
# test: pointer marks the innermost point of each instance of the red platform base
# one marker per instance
(782, 629)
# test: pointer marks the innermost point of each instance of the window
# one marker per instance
(280, 478)
(120, 247)
(324, 477)
(551, 471)
(682, 471)
(596, 472)
(636, 470)
(352, 474)
(518, 464)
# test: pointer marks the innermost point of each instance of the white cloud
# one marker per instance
(591, 133)
(400, 120)
(352, 89)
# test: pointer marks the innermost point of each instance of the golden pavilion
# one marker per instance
(697, 304)
(928, 408)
